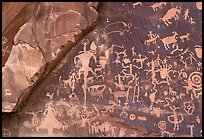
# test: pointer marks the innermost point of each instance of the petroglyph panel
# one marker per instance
(134, 74)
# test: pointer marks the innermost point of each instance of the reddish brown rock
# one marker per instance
(39, 43)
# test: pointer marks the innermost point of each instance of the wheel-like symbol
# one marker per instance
(162, 125)
(196, 79)
(132, 117)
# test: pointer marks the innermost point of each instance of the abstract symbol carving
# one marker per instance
(6, 133)
(189, 107)
(199, 5)
(196, 79)
(132, 117)
(4, 40)
(162, 125)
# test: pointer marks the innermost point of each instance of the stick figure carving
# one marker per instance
(176, 119)
(84, 59)
(152, 38)
(186, 14)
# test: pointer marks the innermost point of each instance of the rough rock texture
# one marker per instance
(39, 43)
(138, 73)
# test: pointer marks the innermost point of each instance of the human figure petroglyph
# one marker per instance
(140, 60)
(49, 122)
(109, 29)
(50, 95)
(191, 129)
(185, 37)
(191, 20)
(120, 84)
(157, 6)
(170, 40)
(171, 13)
(152, 38)
(130, 67)
(137, 4)
(133, 51)
(84, 59)
(176, 119)
(186, 14)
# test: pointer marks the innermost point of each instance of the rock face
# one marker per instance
(137, 73)
(39, 43)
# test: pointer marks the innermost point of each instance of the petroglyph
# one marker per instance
(107, 30)
(176, 119)
(185, 37)
(171, 13)
(137, 4)
(152, 38)
(157, 6)
(189, 107)
(170, 40)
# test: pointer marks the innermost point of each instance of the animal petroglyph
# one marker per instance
(171, 13)
(120, 94)
(137, 4)
(152, 38)
(185, 37)
(170, 40)
(109, 29)
(157, 6)
(97, 90)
